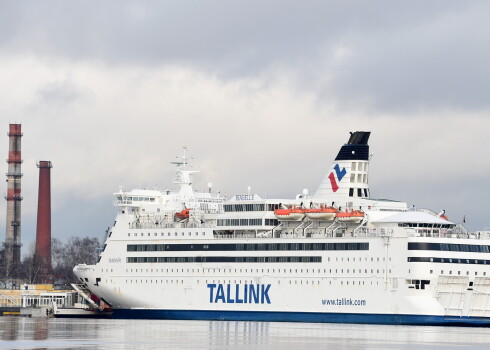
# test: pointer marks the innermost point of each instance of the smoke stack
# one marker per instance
(12, 232)
(43, 232)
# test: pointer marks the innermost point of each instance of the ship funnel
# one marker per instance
(348, 175)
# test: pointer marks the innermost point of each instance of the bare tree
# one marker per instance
(27, 269)
(65, 256)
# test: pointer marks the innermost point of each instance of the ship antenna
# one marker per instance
(184, 157)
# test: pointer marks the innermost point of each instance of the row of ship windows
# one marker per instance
(230, 208)
(162, 234)
(139, 199)
(449, 247)
(226, 259)
(287, 271)
(361, 178)
(246, 246)
(311, 246)
(214, 270)
(337, 259)
(459, 272)
(420, 224)
(44, 300)
(412, 283)
(361, 192)
(244, 207)
(247, 222)
(449, 260)
(361, 166)
(217, 270)
(417, 284)
(239, 222)
(295, 282)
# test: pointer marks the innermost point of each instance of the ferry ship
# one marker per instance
(337, 255)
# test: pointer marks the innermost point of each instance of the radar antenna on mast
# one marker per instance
(184, 162)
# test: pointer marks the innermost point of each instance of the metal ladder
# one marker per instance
(83, 291)
(10, 301)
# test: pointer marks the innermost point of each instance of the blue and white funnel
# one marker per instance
(348, 176)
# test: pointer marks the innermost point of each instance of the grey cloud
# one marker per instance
(440, 63)
(403, 56)
(399, 57)
(256, 33)
(61, 92)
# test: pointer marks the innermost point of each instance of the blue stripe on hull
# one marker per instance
(389, 319)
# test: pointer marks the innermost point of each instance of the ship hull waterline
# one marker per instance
(309, 317)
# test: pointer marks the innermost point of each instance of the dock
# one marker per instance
(45, 301)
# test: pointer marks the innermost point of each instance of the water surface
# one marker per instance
(31, 333)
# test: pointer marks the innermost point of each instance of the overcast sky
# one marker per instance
(263, 93)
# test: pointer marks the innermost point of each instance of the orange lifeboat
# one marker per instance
(322, 213)
(290, 214)
(350, 216)
(181, 215)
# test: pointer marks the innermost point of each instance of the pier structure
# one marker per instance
(14, 198)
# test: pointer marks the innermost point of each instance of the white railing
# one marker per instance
(10, 300)
(27, 300)
(166, 220)
(343, 232)
(373, 232)
(241, 235)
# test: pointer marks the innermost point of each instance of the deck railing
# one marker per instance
(10, 300)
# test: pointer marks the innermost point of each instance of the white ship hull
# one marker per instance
(334, 290)
(233, 260)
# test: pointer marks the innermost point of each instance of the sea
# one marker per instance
(51, 333)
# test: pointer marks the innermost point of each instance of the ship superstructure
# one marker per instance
(335, 256)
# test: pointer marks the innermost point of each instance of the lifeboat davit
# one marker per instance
(181, 215)
(290, 214)
(324, 214)
(350, 216)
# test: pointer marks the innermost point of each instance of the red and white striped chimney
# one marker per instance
(12, 232)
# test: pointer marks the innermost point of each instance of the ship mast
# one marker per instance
(184, 176)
